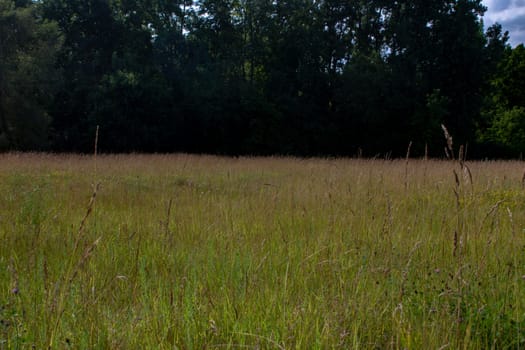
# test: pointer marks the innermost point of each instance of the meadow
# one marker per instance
(202, 252)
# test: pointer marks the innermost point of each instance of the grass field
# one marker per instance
(197, 252)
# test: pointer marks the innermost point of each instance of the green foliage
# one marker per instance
(508, 129)
(27, 75)
(505, 106)
(509, 84)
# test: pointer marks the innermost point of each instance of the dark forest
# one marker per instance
(259, 77)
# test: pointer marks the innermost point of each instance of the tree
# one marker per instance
(91, 38)
(28, 46)
(110, 75)
(505, 104)
(261, 76)
(437, 47)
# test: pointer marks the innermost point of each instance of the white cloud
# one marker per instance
(510, 14)
(497, 5)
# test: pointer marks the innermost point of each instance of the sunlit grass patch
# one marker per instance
(189, 252)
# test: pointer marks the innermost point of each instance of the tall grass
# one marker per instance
(185, 252)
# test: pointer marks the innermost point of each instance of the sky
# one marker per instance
(510, 14)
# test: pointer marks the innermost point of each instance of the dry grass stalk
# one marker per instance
(167, 221)
(405, 270)
(491, 211)
(456, 178)
(89, 210)
(456, 243)
(87, 254)
(406, 165)
(14, 276)
(467, 174)
(95, 152)
(450, 142)
(511, 222)
(63, 287)
(446, 153)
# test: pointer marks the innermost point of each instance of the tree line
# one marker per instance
(299, 77)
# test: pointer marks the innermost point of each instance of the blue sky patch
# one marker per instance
(510, 14)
